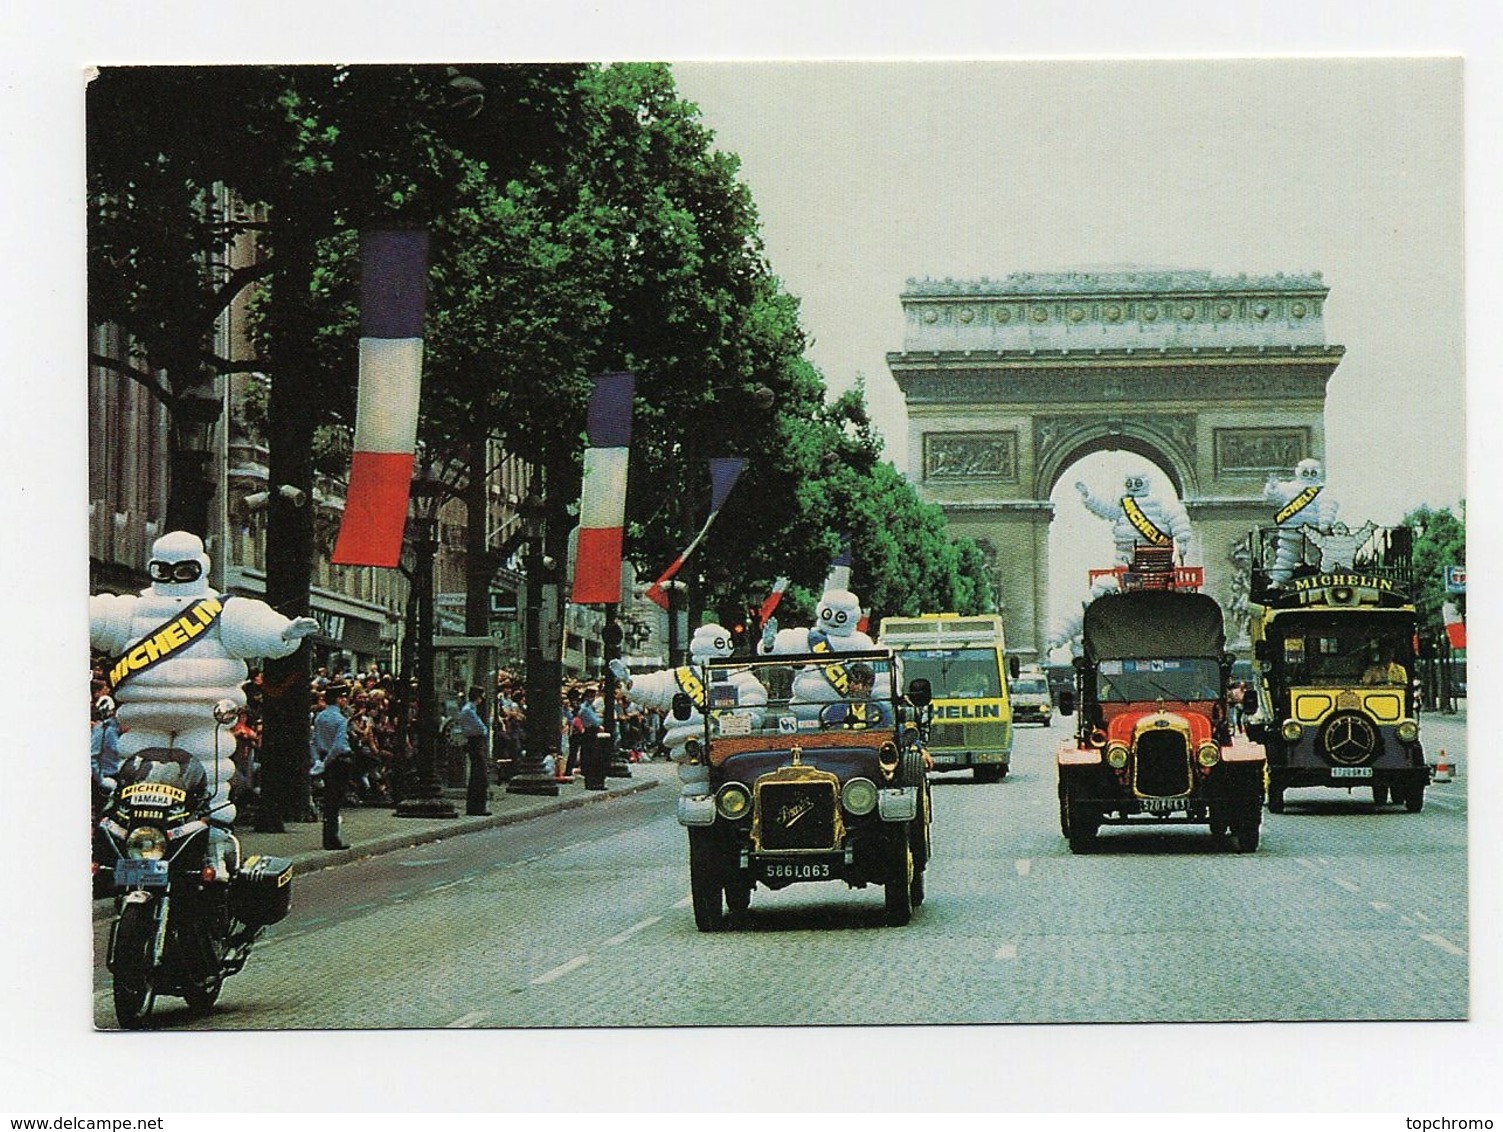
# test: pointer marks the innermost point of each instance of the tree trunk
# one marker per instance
(285, 792)
(480, 560)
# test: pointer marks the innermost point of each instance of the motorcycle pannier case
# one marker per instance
(261, 892)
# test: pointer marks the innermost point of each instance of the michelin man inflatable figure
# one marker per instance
(1067, 631)
(657, 689)
(1339, 546)
(1300, 502)
(177, 650)
(1139, 516)
(834, 630)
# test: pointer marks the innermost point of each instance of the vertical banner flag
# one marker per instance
(393, 295)
(602, 503)
(771, 604)
(724, 471)
(839, 577)
(1451, 617)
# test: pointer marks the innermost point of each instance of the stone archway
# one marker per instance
(1218, 380)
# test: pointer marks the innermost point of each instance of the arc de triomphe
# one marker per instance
(1219, 380)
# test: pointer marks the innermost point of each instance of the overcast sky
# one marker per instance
(869, 173)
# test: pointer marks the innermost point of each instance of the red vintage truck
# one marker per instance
(1152, 741)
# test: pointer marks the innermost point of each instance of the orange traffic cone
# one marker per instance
(1444, 771)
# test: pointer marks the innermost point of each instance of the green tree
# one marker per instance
(1440, 541)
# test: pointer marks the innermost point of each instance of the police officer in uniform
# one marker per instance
(331, 739)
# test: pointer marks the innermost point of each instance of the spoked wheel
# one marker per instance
(899, 886)
(705, 885)
(135, 933)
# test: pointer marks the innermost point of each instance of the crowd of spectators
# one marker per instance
(382, 742)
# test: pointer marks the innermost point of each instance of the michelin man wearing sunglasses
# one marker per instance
(176, 650)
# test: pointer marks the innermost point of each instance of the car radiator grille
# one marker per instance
(967, 736)
(1162, 767)
(796, 815)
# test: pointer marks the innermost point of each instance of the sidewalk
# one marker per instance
(371, 830)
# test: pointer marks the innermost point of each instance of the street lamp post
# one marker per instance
(540, 735)
(676, 644)
(425, 797)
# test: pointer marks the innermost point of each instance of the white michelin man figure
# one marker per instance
(1140, 517)
(1339, 546)
(657, 689)
(834, 630)
(1300, 502)
(177, 649)
(1068, 629)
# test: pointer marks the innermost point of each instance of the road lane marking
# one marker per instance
(1304, 864)
(1024, 866)
(1442, 942)
(633, 930)
(466, 1020)
(423, 864)
(561, 970)
(1007, 951)
(451, 884)
(1421, 917)
(1381, 906)
(1350, 886)
(685, 902)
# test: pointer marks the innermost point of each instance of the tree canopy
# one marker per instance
(582, 221)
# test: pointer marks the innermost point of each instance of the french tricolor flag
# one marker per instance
(393, 296)
(602, 504)
(724, 471)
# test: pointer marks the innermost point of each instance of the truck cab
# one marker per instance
(964, 659)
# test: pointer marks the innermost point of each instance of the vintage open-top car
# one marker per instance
(799, 789)
(1152, 739)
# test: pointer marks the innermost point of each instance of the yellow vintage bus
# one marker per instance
(964, 660)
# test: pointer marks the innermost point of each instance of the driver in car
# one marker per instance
(858, 711)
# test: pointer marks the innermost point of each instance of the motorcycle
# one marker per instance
(187, 909)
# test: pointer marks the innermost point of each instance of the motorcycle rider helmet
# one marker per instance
(104, 707)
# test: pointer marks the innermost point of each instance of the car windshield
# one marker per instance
(1030, 688)
(777, 698)
(1182, 679)
(1342, 655)
(955, 674)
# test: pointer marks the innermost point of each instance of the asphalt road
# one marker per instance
(581, 919)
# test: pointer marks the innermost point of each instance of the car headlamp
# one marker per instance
(733, 801)
(1407, 730)
(1208, 754)
(1291, 730)
(859, 795)
(146, 843)
(1116, 756)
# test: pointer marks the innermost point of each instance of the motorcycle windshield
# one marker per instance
(174, 783)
